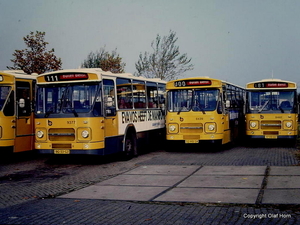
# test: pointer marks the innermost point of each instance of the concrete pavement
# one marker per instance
(201, 184)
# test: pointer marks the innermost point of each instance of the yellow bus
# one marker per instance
(202, 109)
(89, 111)
(271, 109)
(16, 111)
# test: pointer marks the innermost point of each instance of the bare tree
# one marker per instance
(165, 62)
(35, 58)
(104, 60)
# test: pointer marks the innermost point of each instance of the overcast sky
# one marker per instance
(235, 40)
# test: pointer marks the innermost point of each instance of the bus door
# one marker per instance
(226, 116)
(24, 121)
(8, 117)
(111, 122)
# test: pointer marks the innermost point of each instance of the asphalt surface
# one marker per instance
(32, 193)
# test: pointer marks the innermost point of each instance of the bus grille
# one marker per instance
(191, 128)
(271, 125)
(61, 134)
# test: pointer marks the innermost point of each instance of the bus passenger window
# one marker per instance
(161, 96)
(152, 95)
(124, 93)
(139, 94)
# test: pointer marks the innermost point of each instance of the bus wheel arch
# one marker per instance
(130, 142)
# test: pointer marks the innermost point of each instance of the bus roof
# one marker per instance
(99, 72)
(18, 74)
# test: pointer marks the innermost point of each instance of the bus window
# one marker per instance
(23, 98)
(205, 100)
(109, 97)
(152, 95)
(124, 93)
(9, 108)
(161, 96)
(180, 100)
(139, 94)
(4, 90)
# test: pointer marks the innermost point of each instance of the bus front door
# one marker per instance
(25, 121)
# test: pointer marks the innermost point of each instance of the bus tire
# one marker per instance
(130, 146)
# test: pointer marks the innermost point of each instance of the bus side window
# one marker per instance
(152, 95)
(162, 97)
(9, 108)
(124, 93)
(109, 97)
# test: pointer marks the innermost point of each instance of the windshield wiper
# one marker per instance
(72, 110)
(281, 109)
(48, 113)
(263, 106)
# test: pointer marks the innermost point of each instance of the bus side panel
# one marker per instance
(25, 137)
(113, 145)
(7, 124)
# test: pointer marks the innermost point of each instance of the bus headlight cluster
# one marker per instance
(253, 124)
(210, 127)
(288, 124)
(40, 134)
(173, 128)
(85, 134)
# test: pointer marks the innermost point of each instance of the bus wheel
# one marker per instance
(130, 146)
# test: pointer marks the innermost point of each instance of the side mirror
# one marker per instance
(22, 103)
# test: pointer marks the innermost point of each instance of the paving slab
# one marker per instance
(143, 180)
(285, 170)
(129, 193)
(223, 181)
(284, 182)
(164, 169)
(231, 170)
(210, 195)
(281, 196)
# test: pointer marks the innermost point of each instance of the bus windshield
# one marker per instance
(4, 90)
(271, 102)
(193, 99)
(66, 99)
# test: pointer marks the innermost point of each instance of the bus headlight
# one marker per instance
(40, 134)
(210, 127)
(253, 124)
(288, 124)
(173, 128)
(84, 133)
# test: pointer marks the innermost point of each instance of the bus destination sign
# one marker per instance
(271, 85)
(66, 77)
(185, 83)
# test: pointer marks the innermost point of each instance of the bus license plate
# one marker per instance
(61, 151)
(271, 136)
(191, 141)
